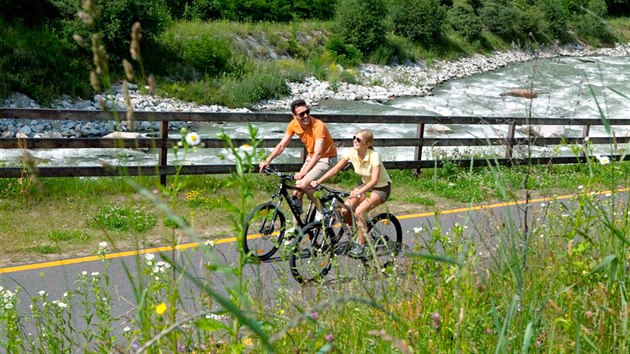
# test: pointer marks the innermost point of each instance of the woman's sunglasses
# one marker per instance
(356, 138)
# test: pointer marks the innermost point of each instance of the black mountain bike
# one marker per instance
(266, 224)
(315, 248)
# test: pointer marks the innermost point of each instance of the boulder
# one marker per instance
(519, 92)
(439, 128)
(122, 135)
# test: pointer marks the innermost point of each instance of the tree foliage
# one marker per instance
(419, 20)
(361, 23)
(463, 20)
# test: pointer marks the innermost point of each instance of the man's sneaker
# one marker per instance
(357, 250)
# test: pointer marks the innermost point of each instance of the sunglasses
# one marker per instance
(305, 113)
(356, 138)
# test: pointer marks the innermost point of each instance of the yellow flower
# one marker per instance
(160, 309)
(248, 342)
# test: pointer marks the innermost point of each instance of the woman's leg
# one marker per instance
(366, 205)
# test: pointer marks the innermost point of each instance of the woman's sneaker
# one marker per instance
(357, 250)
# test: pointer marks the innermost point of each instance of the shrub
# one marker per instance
(419, 20)
(208, 54)
(557, 17)
(35, 62)
(589, 24)
(361, 23)
(464, 21)
(343, 53)
(504, 19)
(115, 21)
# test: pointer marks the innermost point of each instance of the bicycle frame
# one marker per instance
(283, 193)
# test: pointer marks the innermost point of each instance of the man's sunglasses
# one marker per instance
(356, 138)
(305, 113)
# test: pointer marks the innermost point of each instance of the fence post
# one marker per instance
(585, 132)
(510, 140)
(419, 136)
(163, 151)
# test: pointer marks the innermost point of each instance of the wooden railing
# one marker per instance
(163, 142)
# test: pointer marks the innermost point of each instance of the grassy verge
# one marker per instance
(555, 284)
(75, 214)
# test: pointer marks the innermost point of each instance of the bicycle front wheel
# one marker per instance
(384, 241)
(312, 254)
(264, 231)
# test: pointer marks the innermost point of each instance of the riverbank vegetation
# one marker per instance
(236, 53)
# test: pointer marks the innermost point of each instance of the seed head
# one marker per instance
(136, 35)
(129, 72)
(80, 41)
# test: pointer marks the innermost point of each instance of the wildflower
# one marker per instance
(436, 320)
(214, 316)
(8, 306)
(95, 274)
(84, 273)
(417, 230)
(62, 305)
(580, 187)
(102, 244)
(161, 308)
(329, 337)
(210, 243)
(248, 342)
(149, 257)
(193, 139)
(126, 329)
(42, 293)
(542, 205)
(604, 160)
(314, 315)
(246, 148)
(280, 312)
(587, 139)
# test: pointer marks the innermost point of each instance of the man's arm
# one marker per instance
(277, 151)
(317, 153)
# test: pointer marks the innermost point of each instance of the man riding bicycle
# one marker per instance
(321, 149)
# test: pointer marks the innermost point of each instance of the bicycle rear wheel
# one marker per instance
(384, 241)
(312, 254)
(264, 231)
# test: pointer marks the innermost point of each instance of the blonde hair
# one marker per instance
(368, 137)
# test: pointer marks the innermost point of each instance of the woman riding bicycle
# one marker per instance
(375, 179)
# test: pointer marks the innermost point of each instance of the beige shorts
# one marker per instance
(323, 165)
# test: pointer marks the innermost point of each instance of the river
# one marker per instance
(567, 87)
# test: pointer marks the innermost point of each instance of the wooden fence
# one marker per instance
(418, 123)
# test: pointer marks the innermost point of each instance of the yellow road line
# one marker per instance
(233, 239)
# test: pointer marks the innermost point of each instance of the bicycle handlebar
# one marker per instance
(332, 191)
(269, 171)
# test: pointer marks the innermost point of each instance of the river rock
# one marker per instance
(439, 128)
(519, 92)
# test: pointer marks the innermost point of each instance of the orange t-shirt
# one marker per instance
(317, 130)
